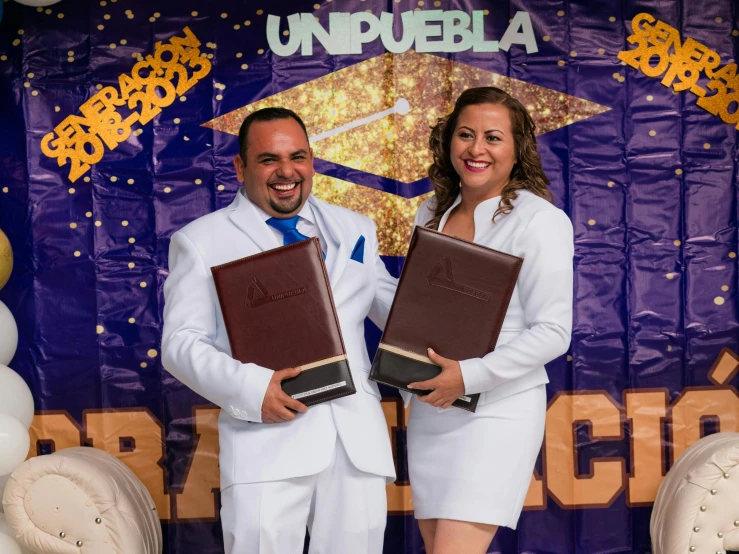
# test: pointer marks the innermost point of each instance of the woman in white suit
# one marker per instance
(470, 472)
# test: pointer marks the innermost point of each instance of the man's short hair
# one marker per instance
(265, 114)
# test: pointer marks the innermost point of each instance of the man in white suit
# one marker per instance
(284, 466)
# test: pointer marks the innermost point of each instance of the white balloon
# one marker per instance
(14, 444)
(16, 399)
(36, 3)
(8, 335)
(3, 484)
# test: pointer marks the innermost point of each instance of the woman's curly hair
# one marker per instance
(527, 173)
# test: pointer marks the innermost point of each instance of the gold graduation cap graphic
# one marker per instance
(375, 117)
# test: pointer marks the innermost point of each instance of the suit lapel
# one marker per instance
(337, 256)
(245, 217)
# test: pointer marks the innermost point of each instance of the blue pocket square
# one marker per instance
(358, 252)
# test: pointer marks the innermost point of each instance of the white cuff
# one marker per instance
(256, 381)
(476, 376)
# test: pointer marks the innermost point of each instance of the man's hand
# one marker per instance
(446, 387)
(277, 406)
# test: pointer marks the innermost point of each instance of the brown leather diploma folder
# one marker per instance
(279, 313)
(453, 296)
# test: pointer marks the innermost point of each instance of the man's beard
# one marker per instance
(287, 206)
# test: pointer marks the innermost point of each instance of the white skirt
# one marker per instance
(475, 467)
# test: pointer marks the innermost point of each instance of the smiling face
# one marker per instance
(482, 149)
(278, 173)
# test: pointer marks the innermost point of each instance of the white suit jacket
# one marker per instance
(538, 323)
(195, 347)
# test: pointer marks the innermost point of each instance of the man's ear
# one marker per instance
(239, 167)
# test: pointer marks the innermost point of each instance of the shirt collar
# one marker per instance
(483, 212)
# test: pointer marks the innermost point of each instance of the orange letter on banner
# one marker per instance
(399, 499)
(696, 404)
(535, 497)
(202, 477)
(647, 411)
(605, 482)
(136, 438)
(56, 428)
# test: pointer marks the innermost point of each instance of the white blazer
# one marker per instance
(538, 323)
(195, 347)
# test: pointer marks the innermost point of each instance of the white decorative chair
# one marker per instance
(81, 501)
(697, 505)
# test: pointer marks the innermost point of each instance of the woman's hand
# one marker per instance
(446, 387)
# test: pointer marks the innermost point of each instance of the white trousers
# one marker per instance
(344, 509)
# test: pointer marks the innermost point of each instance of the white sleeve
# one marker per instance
(190, 324)
(545, 289)
(385, 286)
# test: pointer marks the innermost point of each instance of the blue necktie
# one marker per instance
(289, 229)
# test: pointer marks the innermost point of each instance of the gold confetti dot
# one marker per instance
(316, 6)
(3, 57)
(167, 190)
(560, 13)
(218, 97)
(21, 31)
(131, 240)
(260, 51)
(221, 187)
(670, 275)
(601, 51)
(130, 181)
(26, 84)
(47, 11)
(239, 54)
(5, 189)
(706, 145)
(573, 54)
(285, 32)
(131, 265)
(194, 14)
(188, 138)
(128, 11)
(70, 59)
(77, 253)
(569, 358)
(224, 15)
(137, 132)
(678, 171)
(650, 97)
(437, 4)
(103, 3)
(237, 27)
(31, 75)
(260, 12)
(198, 181)
(561, 63)
(34, 93)
(676, 242)
(244, 66)
(130, 16)
(610, 184)
(101, 27)
(88, 214)
(591, 222)
(157, 14)
(210, 56)
(735, 32)
(616, 75)
(99, 87)
(142, 284)
(152, 353)
(652, 133)
(114, 178)
(131, 320)
(113, 45)
(152, 19)
(176, 120)
(183, 98)
(39, 9)
(98, 223)
(124, 42)
(421, 2)
(719, 301)
(143, 364)
(99, 329)
(719, 19)
(611, 19)
(72, 225)
(732, 254)
(669, 348)
(546, 38)
(106, 16)
(86, 179)
(16, 42)
(725, 288)
(124, 223)
(71, 190)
